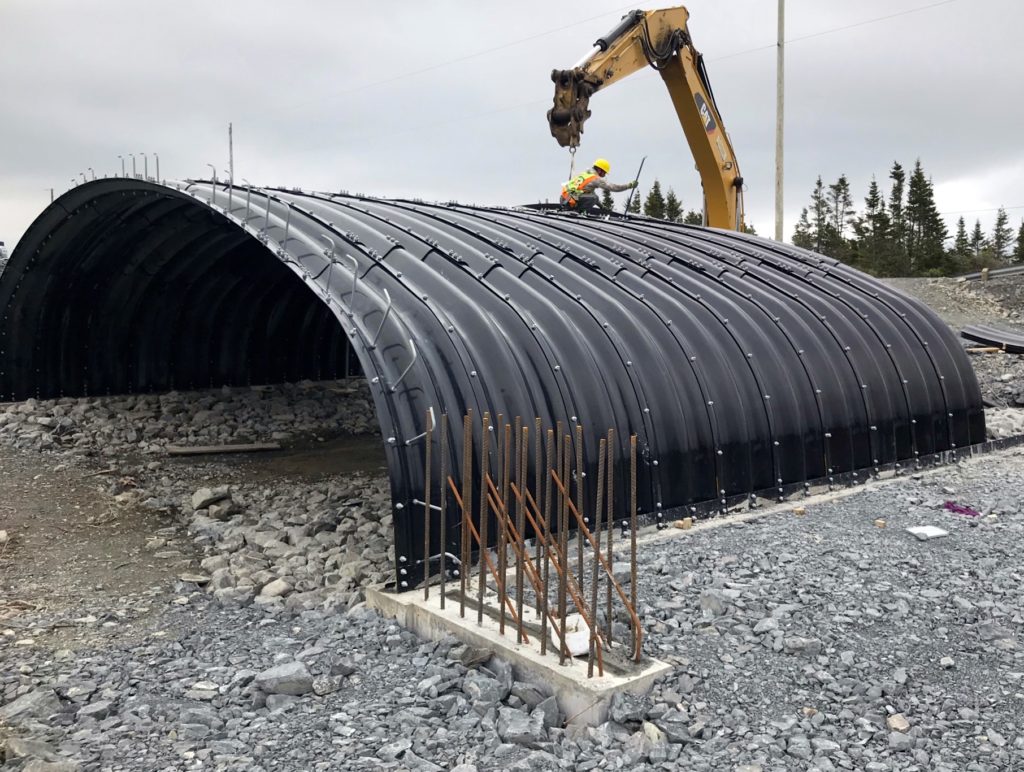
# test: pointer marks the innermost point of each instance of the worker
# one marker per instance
(580, 193)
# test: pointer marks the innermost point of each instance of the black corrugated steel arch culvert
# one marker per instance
(744, 366)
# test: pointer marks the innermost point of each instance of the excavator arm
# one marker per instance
(658, 39)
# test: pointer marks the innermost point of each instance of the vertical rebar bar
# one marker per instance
(485, 435)
(503, 534)
(598, 501)
(610, 517)
(428, 441)
(524, 450)
(442, 527)
(632, 531)
(549, 460)
(467, 491)
(563, 548)
(579, 500)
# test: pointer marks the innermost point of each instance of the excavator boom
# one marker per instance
(658, 39)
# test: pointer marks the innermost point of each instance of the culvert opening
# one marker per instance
(140, 321)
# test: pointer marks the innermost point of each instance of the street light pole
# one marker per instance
(779, 73)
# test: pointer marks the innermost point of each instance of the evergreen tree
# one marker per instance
(693, 217)
(820, 217)
(872, 249)
(961, 242)
(924, 229)
(897, 218)
(673, 207)
(632, 205)
(1018, 249)
(840, 210)
(802, 236)
(1002, 234)
(977, 239)
(606, 200)
(841, 205)
(815, 228)
(654, 205)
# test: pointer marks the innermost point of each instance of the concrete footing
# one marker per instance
(584, 701)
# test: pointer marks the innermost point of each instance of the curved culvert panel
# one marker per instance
(743, 365)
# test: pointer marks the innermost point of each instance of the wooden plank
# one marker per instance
(205, 450)
(984, 350)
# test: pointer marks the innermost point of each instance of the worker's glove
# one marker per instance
(633, 184)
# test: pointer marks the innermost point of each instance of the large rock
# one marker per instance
(37, 704)
(517, 727)
(287, 678)
(276, 589)
(26, 748)
(626, 708)
(482, 689)
(37, 765)
(204, 497)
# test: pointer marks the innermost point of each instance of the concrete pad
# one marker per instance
(584, 701)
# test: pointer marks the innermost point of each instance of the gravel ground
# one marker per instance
(832, 641)
(206, 613)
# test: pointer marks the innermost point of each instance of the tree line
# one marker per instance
(902, 233)
(662, 206)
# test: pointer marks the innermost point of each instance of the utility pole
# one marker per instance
(780, 73)
(231, 156)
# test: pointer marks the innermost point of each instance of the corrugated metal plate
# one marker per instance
(743, 365)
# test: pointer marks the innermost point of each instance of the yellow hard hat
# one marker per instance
(603, 165)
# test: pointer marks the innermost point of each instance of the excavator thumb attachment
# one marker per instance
(572, 96)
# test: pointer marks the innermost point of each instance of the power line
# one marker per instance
(484, 52)
(834, 29)
(522, 105)
(979, 211)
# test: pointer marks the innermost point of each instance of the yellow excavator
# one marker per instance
(659, 39)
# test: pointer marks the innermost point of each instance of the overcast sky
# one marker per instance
(446, 100)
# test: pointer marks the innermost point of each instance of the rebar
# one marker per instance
(545, 529)
(632, 521)
(573, 589)
(524, 445)
(579, 496)
(442, 526)
(611, 529)
(506, 471)
(408, 367)
(485, 434)
(517, 541)
(467, 491)
(467, 519)
(429, 440)
(598, 501)
(630, 607)
(563, 547)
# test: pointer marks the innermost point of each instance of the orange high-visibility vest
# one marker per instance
(572, 189)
